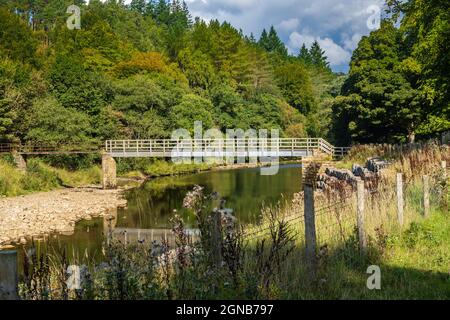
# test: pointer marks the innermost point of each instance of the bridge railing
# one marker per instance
(161, 146)
(47, 149)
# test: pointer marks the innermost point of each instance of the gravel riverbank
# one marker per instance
(39, 214)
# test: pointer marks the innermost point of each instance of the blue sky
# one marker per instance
(336, 24)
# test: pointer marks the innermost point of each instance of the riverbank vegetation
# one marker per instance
(40, 176)
(413, 264)
(44, 174)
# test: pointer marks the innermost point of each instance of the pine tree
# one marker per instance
(272, 43)
(264, 40)
(304, 55)
(161, 12)
(318, 57)
(252, 39)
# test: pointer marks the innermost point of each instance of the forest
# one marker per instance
(141, 70)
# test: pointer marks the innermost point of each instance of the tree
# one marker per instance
(49, 123)
(142, 93)
(295, 85)
(139, 6)
(425, 26)
(77, 88)
(304, 55)
(318, 57)
(378, 103)
(272, 43)
(17, 41)
(192, 108)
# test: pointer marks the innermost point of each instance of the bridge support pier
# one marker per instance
(19, 161)
(109, 180)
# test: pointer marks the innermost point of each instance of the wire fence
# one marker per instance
(349, 221)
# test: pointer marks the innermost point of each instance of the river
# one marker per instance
(151, 206)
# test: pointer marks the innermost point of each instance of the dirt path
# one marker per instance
(57, 211)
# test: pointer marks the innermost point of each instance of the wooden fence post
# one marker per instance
(8, 275)
(361, 217)
(400, 202)
(426, 195)
(216, 237)
(310, 229)
(445, 189)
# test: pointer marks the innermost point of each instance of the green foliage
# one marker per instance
(314, 56)
(39, 176)
(295, 85)
(399, 77)
(304, 55)
(190, 109)
(425, 25)
(51, 124)
(272, 43)
(317, 56)
(17, 41)
(139, 71)
(378, 102)
(77, 88)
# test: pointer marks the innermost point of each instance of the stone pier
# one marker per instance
(19, 161)
(109, 179)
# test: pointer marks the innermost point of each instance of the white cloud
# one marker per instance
(350, 43)
(296, 40)
(335, 53)
(288, 25)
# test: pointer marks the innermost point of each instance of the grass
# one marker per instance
(39, 176)
(163, 168)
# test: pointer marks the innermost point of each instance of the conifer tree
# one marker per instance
(304, 55)
(318, 57)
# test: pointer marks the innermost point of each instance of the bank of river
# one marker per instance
(39, 214)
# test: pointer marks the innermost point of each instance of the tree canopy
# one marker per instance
(397, 88)
(140, 71)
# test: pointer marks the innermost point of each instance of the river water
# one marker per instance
(151, 206)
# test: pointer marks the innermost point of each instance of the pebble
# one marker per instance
(56, 211)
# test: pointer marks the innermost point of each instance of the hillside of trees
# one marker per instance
(140, 71)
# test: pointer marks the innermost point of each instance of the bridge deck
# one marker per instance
(285, 147)
(260, 148)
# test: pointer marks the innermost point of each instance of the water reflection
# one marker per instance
(245, 190)
(151, 206)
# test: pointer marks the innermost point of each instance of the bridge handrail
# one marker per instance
(44, 149)
(121, 145)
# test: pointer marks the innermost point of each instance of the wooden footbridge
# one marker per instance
(264, 150)
(260, 148)
(167, 148)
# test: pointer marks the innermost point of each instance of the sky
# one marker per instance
(337, 25)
